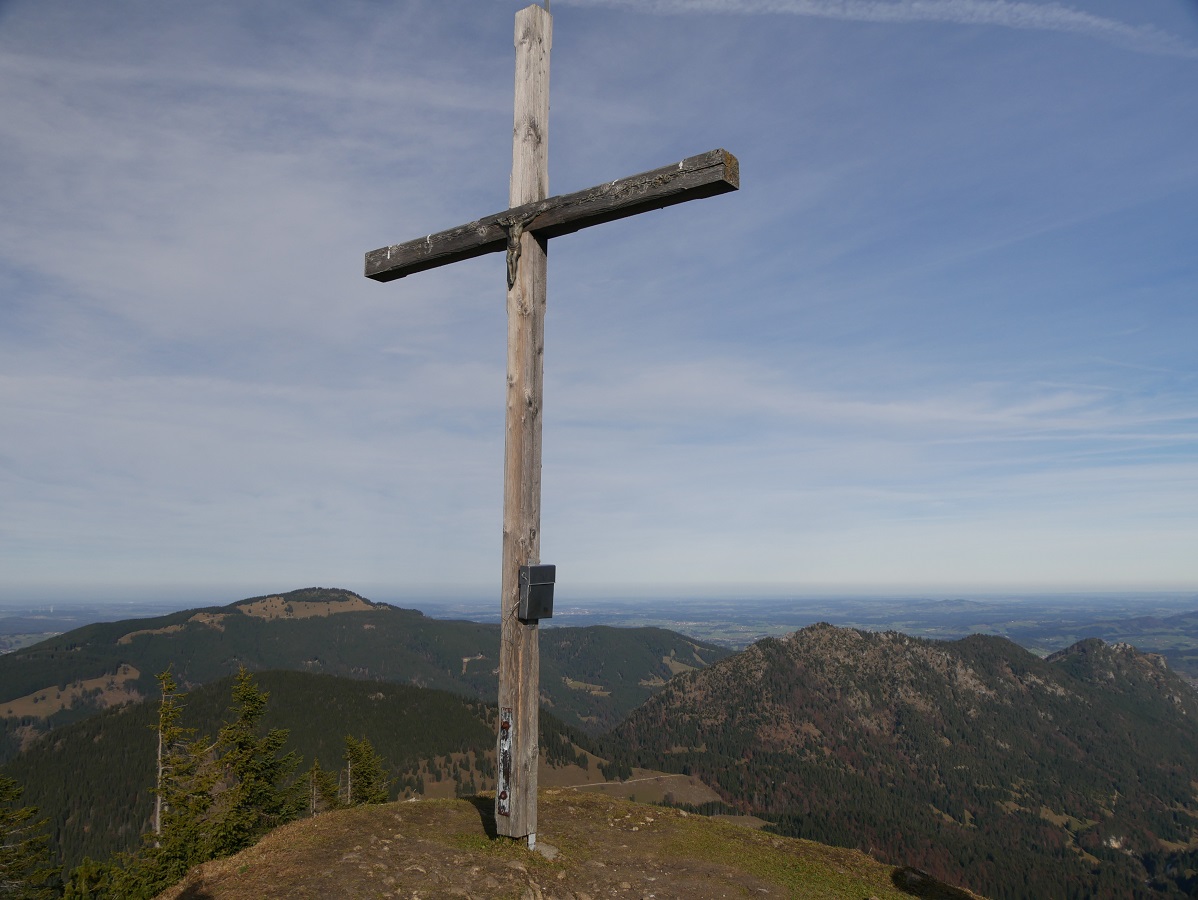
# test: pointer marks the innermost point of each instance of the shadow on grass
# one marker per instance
(195, 892)
(486, 812)
(920, 884)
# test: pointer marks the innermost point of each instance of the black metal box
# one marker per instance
(536, 592)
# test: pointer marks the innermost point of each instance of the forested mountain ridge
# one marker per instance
(973, 759)
(93, 780)
(1174, 637)
(590, 677)
(1125, 670)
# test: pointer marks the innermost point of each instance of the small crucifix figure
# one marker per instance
(524, 231)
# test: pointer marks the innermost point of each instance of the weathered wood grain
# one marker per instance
(696, 177)
(519, 651)
(524, 231)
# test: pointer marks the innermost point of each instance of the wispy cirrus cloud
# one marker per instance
(1000, 13)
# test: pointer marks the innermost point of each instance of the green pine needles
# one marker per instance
(366, 773)
(251, 791)
(24, 846)
(216, 797)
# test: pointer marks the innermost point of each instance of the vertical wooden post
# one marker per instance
(699, 176)
(519, 658)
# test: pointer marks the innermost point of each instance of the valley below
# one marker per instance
(1067, 771)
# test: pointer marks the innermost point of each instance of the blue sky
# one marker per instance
(942, 340)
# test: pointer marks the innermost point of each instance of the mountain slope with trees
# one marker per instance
(94, 780)
(591, 677)
(1174, 637)
(973, 759)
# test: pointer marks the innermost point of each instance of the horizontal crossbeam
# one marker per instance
(705, 175)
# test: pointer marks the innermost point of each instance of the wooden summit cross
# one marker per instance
(524, 231)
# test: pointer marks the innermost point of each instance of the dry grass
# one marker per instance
(47, 701)
(281, 608)
(595, 690)
(604, 848)
(166, 629)
(212, 620)
(676, 666)
(646, 786)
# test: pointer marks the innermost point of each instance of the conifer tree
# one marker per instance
(322, 789)
(174, 757)
(366, 773)
(24, 847)
(252, 790)
(90, 880)
(186, 777)
(216, 797)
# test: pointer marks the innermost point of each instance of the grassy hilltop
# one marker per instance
(599, 848)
